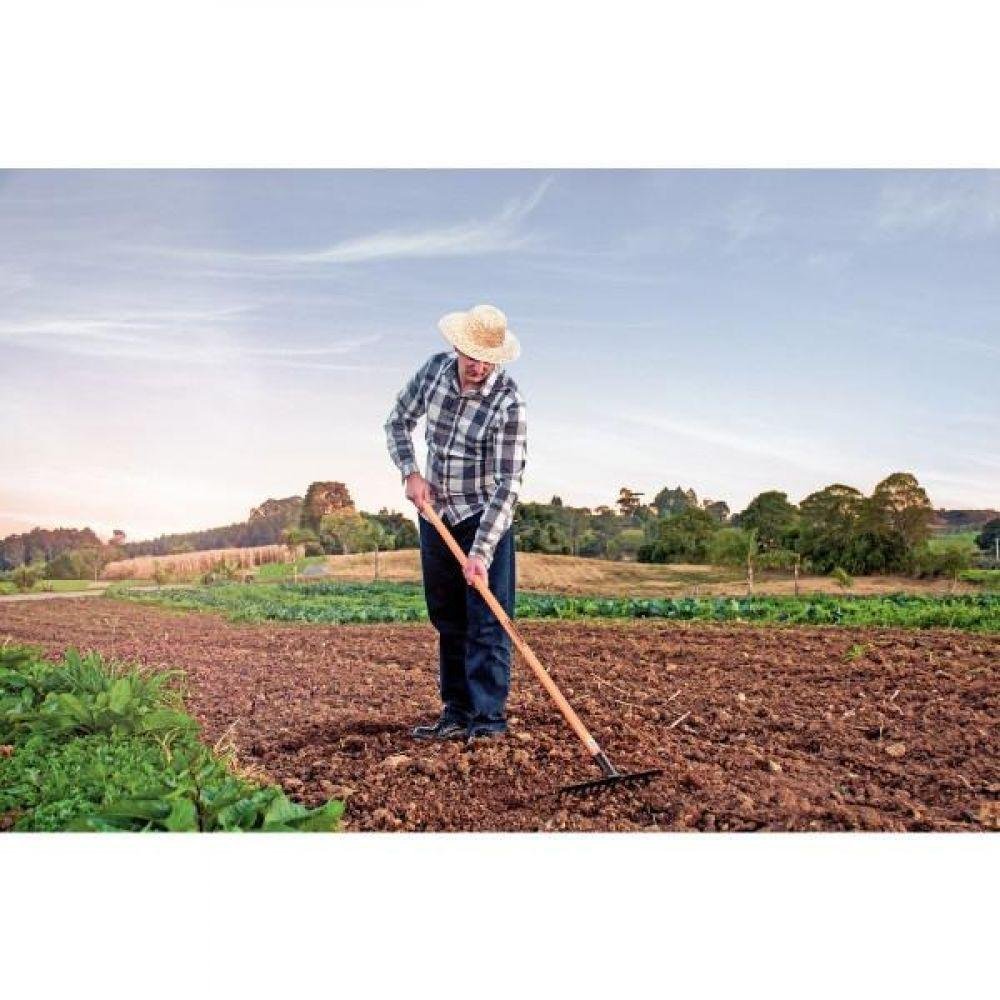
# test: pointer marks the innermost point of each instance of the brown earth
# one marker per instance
(756, 728)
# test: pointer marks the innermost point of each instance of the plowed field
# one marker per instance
(756, 728)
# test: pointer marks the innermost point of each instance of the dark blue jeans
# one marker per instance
(475, 650)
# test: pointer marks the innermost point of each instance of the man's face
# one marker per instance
(471, 371)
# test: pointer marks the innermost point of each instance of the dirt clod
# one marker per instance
(322, 709)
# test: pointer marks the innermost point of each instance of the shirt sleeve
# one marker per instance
(409, 407)
(510, 455)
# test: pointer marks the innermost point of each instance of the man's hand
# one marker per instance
(418, 490)
(475, 567)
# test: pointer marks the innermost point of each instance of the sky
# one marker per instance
(178, 346)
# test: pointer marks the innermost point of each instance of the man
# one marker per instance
(476, 449)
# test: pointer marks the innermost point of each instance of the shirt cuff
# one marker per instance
(408, 469)
(483, 551)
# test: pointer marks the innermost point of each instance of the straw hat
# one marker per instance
(481, 333)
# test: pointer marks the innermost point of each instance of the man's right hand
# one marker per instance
(418, 490)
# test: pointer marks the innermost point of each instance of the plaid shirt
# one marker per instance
(476, 445)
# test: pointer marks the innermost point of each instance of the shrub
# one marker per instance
(948, 560)
(842, 577)
(25, 577)
(731, 547)
(777, 559)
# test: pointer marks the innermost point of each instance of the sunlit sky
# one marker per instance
(175, 347)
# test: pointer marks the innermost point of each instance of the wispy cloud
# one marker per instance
(498, 233)
(765, 444)
(747, 218)
(986, 487)
(964, 205)
(181, 337)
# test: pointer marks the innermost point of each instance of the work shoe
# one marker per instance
(443, 729)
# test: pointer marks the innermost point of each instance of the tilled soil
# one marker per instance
(755, 728)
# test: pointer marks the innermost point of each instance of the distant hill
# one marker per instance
(947, 521)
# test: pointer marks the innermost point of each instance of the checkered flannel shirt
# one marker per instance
(476, 445)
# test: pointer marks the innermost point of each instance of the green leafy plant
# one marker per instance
(335, 602)
(103, 746)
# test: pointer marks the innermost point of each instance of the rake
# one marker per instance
(610, 775)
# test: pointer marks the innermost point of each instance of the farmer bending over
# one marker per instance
(476, 449)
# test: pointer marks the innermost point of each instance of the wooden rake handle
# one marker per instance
(525, 650)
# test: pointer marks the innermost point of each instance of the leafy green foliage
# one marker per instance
(674, 501)
(347, 531)
(771, 517)
(102, 746)
(338, 603)
(731, 547)
(683, 538)
(942, 560)
(987, 538)
(982, 577)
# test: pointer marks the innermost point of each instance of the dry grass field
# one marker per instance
(190, 564)
(572, 575)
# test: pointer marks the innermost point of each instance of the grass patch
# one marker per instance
(91, 745)
(333, 602)
(943, 541)
(46, 586)
(987, 578)
(63, 586)
(275, 572)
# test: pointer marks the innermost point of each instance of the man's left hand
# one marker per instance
(475, 567)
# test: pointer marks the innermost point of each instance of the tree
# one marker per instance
(987, 538)
(946, 560)
(589, 544)
(628, 501)
(719, 509)
(683, 537)
(673, 501)
(305, 537)
(771, 516)
(321, 499)
(348, 531)
(732, 547)
(829, 522)
(42, 544)
(402, 531)
(25, 577)
(903, 504)
(630, 540)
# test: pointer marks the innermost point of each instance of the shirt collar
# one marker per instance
(487, 385)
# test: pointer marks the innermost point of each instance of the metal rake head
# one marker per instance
(610, 775)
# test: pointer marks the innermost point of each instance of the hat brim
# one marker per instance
(454, 326)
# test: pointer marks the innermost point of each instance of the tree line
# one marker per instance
(835, 528)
